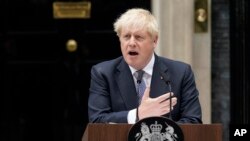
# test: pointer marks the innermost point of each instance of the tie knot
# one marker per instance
(138, 75)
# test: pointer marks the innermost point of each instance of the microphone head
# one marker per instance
(139, 76)
(164, 77)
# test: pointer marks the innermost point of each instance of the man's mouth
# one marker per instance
(133, 53)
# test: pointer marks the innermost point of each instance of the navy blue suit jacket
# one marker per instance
(113, 93)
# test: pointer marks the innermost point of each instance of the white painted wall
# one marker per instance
(179, 41)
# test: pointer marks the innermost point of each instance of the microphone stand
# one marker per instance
(170, 105)
(165, 78)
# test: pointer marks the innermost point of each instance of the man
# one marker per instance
(115, 86)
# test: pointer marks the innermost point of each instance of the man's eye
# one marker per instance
(126, 37)
(139, 37)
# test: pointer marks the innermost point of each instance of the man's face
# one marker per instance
(137, 46)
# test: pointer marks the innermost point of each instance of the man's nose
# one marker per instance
(132, 41)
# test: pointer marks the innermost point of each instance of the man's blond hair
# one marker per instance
(137, 18)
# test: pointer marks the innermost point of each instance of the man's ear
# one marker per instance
(155, 40)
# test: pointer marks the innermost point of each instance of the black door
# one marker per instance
(45, 86)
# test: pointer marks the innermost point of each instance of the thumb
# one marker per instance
(146, 93)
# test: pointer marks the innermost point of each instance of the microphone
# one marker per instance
(139, 76)
(165, 78)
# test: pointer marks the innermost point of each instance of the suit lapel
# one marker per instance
(158, 86)
(126, 85)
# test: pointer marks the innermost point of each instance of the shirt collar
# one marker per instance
(148, 68)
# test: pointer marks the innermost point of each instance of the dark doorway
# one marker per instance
(239, 63)
(45, 91)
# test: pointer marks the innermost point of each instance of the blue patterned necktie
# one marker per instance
(141, 85)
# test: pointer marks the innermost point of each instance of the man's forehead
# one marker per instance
(133, 30)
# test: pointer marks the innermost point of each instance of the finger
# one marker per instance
(166, 103)
(166, 109)
(164, 97)
(174, 101)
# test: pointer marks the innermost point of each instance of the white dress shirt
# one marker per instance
(147, 76)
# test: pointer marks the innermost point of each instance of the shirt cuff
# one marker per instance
(131, 116)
